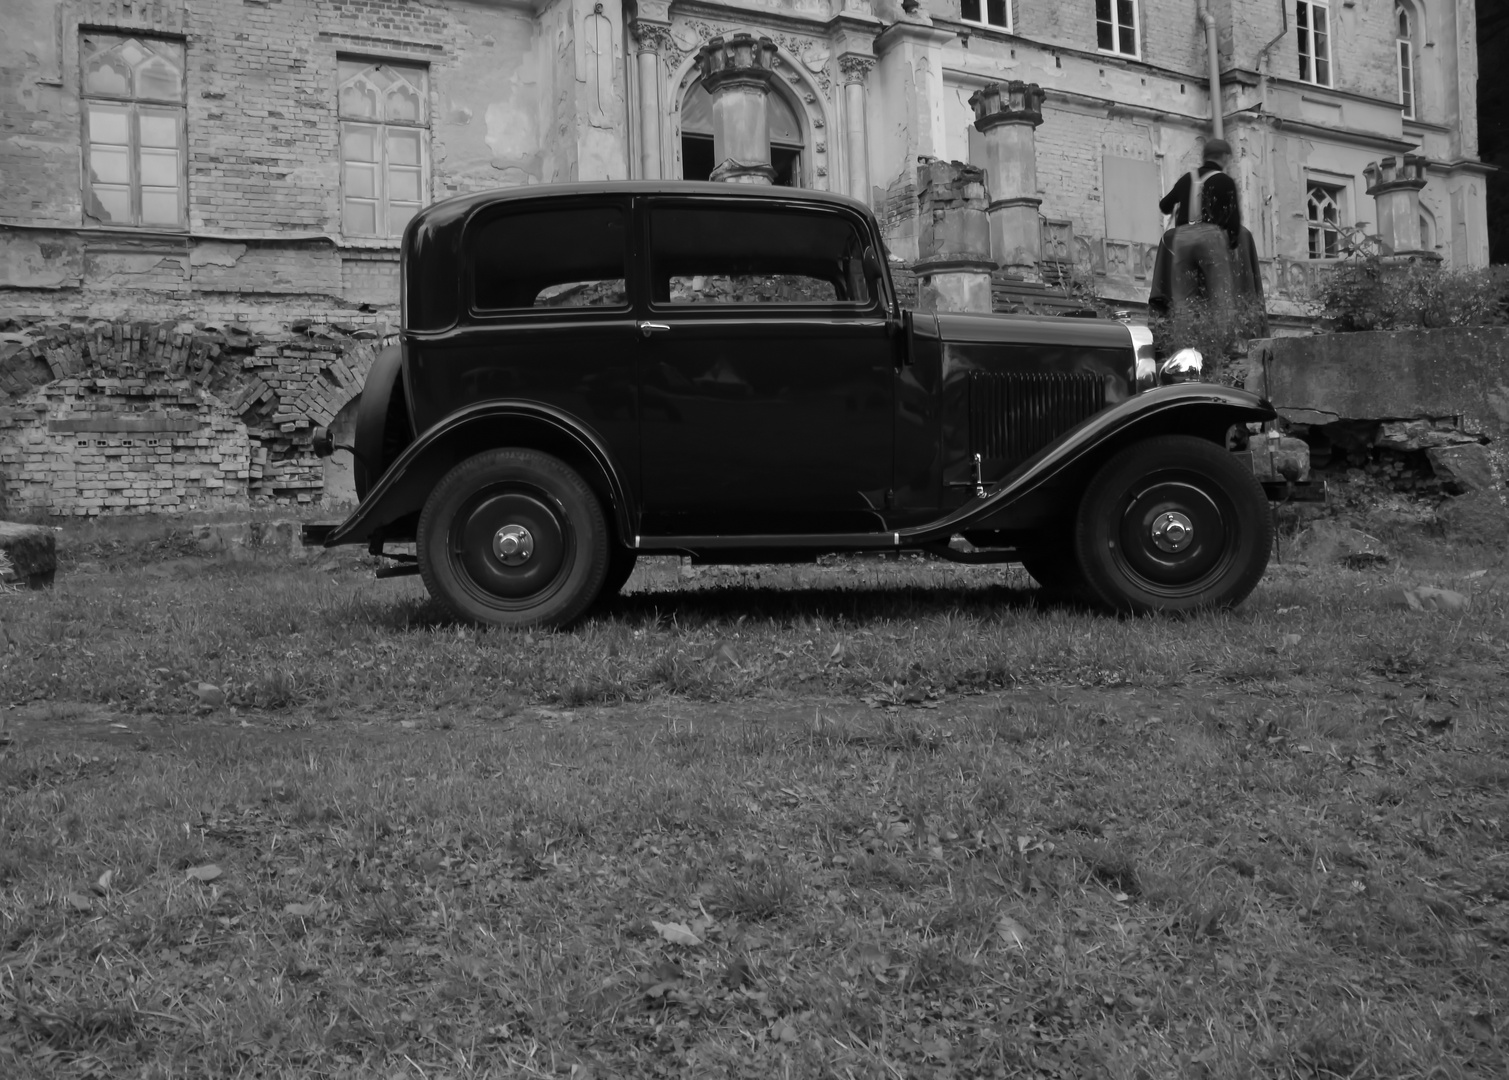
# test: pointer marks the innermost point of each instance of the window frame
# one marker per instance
(877, 304)
(1008, 27)
(1116, 28)
(1405, 61)
(1337, 194)
(132, 104)
(381, 124)
(485, 216)
(1305, 38)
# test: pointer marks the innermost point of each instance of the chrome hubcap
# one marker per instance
(513, 545)
(1173, 532)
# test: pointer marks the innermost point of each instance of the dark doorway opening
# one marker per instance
(697, 157)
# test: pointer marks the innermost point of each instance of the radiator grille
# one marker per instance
(1013, 415)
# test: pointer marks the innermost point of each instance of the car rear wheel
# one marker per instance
(1173, 524)
(513, 538)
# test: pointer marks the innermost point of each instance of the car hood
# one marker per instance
(957, 327)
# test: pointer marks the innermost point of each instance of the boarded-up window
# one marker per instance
(1132, 191)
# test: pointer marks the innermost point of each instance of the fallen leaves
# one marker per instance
(677, 933)
(1427, 598)
(206, 873)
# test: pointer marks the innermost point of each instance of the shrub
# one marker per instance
(1220, 334)
(1370, 293)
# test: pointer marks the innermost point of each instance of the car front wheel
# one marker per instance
(1173, 524)
(513, 538)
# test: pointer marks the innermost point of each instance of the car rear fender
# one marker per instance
(401, 491)
(1064, 466)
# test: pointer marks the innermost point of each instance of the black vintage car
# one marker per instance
(589, 372)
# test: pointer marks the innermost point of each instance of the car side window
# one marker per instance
(571, 257)
(706, 255)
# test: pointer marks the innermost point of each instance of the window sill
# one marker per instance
(1136, 56)
(971, 24)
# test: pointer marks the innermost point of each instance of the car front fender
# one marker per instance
(1064, 466)
(404, 486)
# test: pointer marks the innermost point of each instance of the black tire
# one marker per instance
(1129, 539)
(462, 527)
(1056, 570)
(621, 562)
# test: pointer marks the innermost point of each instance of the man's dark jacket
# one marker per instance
(1218, 202)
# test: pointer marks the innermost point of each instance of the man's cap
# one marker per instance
(1215, 148)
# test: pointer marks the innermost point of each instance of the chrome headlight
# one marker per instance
(1184, 366)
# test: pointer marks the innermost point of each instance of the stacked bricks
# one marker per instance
(136, 417)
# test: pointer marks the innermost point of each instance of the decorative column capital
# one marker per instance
(652, 37)
(855, 68)
(1013, 102)
(741, 59)
(1402, 172)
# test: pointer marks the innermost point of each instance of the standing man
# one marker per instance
(1208, 255)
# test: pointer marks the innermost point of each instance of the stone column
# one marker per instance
(856, 144)
(1008, 114)
(652, 38)
(953, 238)
(738, 71)
(1395, 183)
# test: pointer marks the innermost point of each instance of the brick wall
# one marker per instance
(139, 416)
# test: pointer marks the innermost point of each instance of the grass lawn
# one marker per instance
(866, 819)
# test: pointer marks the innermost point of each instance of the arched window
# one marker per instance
(1406, 25)
(786, 140)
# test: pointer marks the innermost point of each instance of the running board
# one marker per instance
(888, 541)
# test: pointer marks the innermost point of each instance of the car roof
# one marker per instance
(459, 207)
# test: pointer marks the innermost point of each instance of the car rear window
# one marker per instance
(571, 257)
(721, 255)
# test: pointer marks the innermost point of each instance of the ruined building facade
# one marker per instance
(202, 199)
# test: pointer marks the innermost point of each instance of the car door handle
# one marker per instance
(648, 328)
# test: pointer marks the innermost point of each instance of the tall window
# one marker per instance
(384, 114)
(995, 13)
(1406, 48)
(133, 130)
(1116, 26)
(1323, 209)
(1312, 20)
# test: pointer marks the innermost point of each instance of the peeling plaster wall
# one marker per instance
(489, 112)
(39, 120)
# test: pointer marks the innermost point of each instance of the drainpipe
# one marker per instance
(1213, 63)
(1265, 65)
(1265, 59)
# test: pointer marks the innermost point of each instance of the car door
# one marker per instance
(548, 320)
(765, 370)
